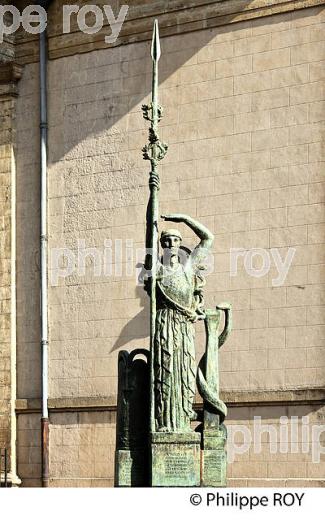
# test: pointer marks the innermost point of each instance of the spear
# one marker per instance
(154, 152)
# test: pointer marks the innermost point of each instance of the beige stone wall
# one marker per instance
(27, 239)
(82, 447)
(243, 119)
(6, 124)
(29, 453)
(242, 122)
(268, 462)
(5, 271)
(178, 18)
(9, 75)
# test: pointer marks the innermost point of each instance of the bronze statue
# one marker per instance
(177, 454)
(179, 304)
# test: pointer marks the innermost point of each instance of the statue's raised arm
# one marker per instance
(205, 236)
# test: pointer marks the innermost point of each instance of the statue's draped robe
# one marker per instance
(174, 351)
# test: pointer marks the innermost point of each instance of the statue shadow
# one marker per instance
(137, 328)
(123, 93)
(108, 114)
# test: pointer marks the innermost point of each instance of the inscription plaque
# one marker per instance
(214, 468)
(177, 462)
(175, 459)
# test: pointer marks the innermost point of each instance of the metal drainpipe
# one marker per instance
(43, 246)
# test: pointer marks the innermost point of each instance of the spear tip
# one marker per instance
(155, 45)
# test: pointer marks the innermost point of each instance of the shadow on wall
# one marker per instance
(118, 79)
(137, 327)
(88, 95)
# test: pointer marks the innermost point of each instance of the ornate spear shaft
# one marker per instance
(155, 151)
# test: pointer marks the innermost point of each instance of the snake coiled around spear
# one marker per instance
(210, 398)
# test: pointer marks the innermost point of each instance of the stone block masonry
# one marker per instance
(243, 118)
(9, 76)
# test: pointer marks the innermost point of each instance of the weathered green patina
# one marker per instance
(214, 433)
(154, 152)
(179, 304)
(175, 459)
(131, 455)
(178, 455)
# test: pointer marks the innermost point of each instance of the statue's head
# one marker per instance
(171, 240)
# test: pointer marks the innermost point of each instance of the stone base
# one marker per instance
(131, 468)
(214, 459)
(175, 459)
